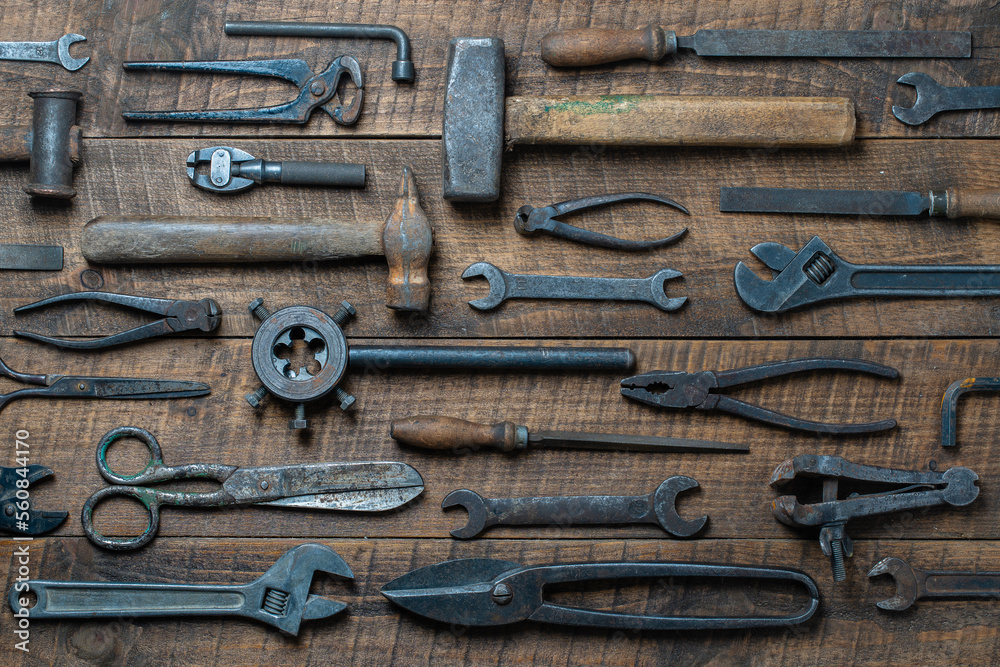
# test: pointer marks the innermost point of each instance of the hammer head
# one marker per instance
(53, 136)
(407, 241)
(472, 135)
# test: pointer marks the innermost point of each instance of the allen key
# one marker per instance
(949, 404)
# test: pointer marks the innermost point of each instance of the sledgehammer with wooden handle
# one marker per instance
(405, 239)
(479, 122)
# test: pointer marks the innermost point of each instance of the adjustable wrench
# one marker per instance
(505, 286)
(932, 98)
(658, 508)
(913, 584)
(56, 51)
(817, 274)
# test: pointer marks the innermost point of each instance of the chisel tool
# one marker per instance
(951, 203)
(448, 433)
(596, 46)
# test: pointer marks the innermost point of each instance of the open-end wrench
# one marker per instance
(658, 508)
(56, 51)
(913, 584)
(817, 274)
(505, 286)
(280, 597)
(933, 98)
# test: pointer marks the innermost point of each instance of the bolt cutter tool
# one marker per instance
(179, 316)
(485, 592)
(82, 386)
(315, 90)
(677, 389)
(530, 220)
(915, 489)
(363, 486)
(16, 514)
(280, 597)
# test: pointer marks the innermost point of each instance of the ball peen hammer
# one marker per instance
(405, 239)
(479, 123)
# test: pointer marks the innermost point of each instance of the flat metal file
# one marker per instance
(458, 435)
(31, 257)
(595, 46)
(950, 203)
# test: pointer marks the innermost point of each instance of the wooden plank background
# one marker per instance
(132, 168)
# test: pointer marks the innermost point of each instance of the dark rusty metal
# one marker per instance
(368, 486)
(315, 90)
(460, 436)
(530, 220)
(280, 597)
(913, 584)
(933, 98)
(31, 257)
(917, 489)
(51, 144)
(487, 592)
(233, 170)
(659, 507)
(178, 316)
(504, 286)
(16, 513)
(678, 389)
(80, 386)
(949, 404)
(402, 67)
(56, 51)
(816, 274)
(278, 331)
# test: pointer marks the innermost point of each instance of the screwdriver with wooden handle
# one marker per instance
(449, 433)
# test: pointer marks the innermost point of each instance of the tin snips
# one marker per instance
(893, 491)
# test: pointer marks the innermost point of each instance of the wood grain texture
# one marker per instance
(131, 169)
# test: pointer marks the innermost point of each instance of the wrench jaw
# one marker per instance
(929, 101)
(475, 505)
(280, 597)
(665, 507)
(497, 282)
(65, 59)
(658, 290)
(906, 583)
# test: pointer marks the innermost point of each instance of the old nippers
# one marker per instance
(530, 220)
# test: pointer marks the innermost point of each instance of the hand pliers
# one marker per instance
(677, 389)
(202, 315)
(17, 515)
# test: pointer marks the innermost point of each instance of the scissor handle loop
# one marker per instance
(153, 466)
(147, 497)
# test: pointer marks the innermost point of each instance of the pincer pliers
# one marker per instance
(677, 389)
(16, 512)
(203, 315)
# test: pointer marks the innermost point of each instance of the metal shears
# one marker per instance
(363, 486)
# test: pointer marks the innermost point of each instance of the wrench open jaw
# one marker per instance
(503, 286)
(902, 576)
(65, 59)
(659, 507)
(933, 98)
(913, 584)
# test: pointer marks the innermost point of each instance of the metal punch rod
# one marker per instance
(402, 68)
(485, 357)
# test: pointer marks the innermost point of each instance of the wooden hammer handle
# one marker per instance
(973, 203)
(123, 239)
(680, 120)
(596, 46)
(449, 433)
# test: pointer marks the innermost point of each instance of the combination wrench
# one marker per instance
(56, 51)
(657, 508)
(815, 274)
(913, 584)
(505, 286)
(933, 98)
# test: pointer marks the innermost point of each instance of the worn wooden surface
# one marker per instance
(137, 169)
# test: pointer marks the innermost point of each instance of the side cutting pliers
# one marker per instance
(17, 514)
(677, 389)
(203, 315)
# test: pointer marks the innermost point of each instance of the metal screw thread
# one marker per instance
(345, 312)
(300, 413)
(259, 311)
(837, 560)
(254, 398)
(346, 400)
